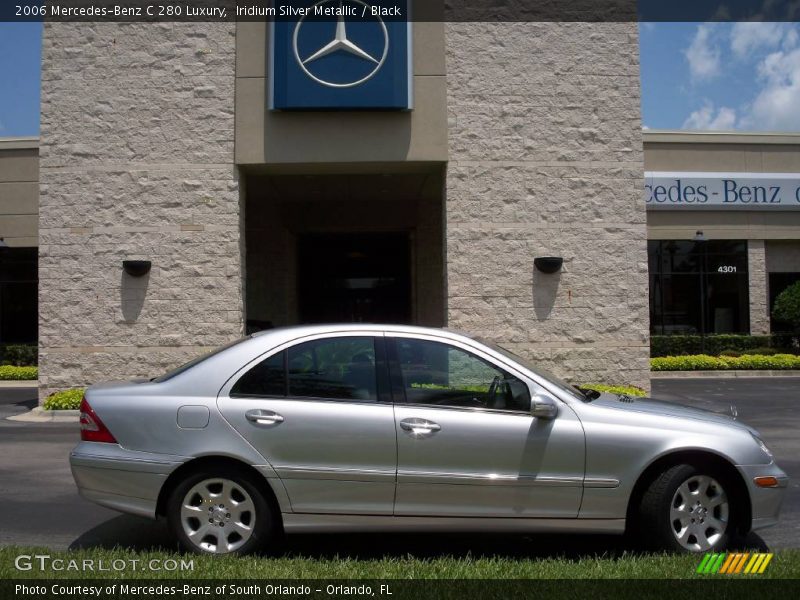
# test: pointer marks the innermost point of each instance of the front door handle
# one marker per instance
(419, 427)
(263, 417)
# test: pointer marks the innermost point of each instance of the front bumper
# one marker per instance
(765, 502)
(125, 480)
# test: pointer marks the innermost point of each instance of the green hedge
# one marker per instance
(12, 373)
(66, 400)
(628, 390)
(704, 362)
(20, 355)
(676, 345)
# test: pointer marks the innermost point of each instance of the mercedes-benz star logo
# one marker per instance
(340, 43)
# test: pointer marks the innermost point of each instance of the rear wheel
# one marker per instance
(686, 509)
(212, 513)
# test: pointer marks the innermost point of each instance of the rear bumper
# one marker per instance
(765, 502)
(124, 480)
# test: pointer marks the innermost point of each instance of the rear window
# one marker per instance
(196, 361)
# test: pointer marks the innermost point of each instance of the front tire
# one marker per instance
(215, 513)
(686, 509)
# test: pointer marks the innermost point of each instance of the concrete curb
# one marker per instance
(40, 415)
(27, 383)
(724, 374)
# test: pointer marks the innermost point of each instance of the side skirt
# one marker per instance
(314, 523)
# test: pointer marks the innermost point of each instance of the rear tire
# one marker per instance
(686, 509)
(211, 512)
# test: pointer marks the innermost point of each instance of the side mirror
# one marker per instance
(543, 407)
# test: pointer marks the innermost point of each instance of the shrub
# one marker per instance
(763, 351)
(628, 390)
(20, 355)
(704, 362)
(787, 306)
(676, 345)
(64, 400)
(12, 373)
(730, 353)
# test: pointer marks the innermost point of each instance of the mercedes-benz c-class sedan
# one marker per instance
(389, 428)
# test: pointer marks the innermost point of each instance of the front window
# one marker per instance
(535, 369)
(442, 375)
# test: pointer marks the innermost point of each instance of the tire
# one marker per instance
(686, 509)
(211, 512)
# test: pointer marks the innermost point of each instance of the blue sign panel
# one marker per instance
(341, 55)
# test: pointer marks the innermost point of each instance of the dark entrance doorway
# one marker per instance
(354, 278)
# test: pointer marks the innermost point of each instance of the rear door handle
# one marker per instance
(419, 427)
(263, 417)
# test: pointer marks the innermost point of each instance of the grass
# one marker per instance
(786, 564)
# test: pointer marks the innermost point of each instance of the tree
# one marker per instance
(787, 306)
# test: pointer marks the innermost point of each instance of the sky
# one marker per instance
(20, 58)
(695, 76)
(720, 76)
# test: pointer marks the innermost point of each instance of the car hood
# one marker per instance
(667, 409)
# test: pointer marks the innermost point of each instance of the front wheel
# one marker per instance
(212, 513)
(686, 509)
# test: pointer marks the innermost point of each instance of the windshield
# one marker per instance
(196, 361)
(560, 383)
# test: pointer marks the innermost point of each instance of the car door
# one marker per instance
(467, 443)
(319, 412)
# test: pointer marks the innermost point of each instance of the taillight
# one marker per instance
(92, 428)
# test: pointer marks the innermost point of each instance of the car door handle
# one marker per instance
(420, 427)
(263, 417)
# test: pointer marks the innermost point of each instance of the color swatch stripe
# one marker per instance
(734, 563)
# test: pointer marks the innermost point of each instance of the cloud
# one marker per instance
(703, 54)
(748, 38)
(707, 118)
(775, 107)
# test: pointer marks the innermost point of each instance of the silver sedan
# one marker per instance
(387, 428)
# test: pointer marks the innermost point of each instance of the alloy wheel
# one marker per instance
(218, 516)
(699, 513)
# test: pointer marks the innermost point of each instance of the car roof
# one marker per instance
(301, 330)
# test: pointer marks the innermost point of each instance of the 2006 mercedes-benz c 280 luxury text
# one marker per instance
(380, 428)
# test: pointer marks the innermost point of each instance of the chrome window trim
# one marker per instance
(473, 409)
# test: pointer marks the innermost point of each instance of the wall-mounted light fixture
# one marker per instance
(136, 268)
(548, 264)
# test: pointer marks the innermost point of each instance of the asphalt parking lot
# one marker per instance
(40, 497)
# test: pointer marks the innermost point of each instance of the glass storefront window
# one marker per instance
(18, 295)
(698, 287)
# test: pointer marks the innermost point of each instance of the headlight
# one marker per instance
(762, 445)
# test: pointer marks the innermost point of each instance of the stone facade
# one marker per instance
(546, 159)
(137, 162)
(757, 276)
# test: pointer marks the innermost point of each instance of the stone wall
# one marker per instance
(137, 142)
(546, 159)
(757, 281)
